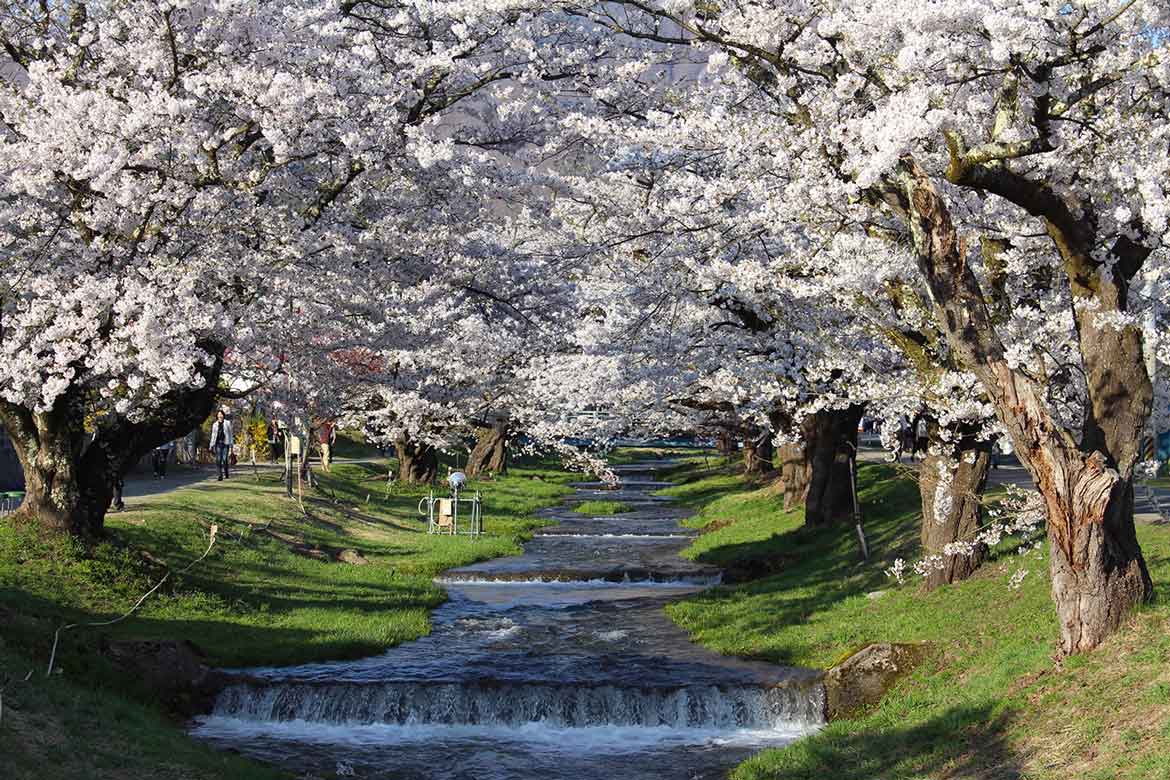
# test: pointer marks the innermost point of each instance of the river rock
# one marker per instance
(173, 670)
(352, 557)
(862, 679)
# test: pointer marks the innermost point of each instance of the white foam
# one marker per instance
(563, 595)
(612, 636)
(611, 739)
(502, 633)
(614, 536)
(494, 628)
(675, 582)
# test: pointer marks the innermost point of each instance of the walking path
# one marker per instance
(142, 485)
(558, 664)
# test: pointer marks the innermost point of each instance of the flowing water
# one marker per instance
(559, 663)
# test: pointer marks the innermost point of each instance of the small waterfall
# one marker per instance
(579, 579)
(556, 665)
(493, 704)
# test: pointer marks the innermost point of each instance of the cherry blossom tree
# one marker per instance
(777, 211)
(193, 193)
(1015, 156)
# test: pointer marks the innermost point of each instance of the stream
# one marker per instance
(558, 663)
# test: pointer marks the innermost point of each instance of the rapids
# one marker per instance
(558, 663)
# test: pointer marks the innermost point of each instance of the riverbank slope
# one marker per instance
(275, 589)
(991, 701)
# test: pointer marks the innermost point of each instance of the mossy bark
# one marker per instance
(490, 453)
(795, 472)
(70, 474)
(418, 463)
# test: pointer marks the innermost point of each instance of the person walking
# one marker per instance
(188, 452)
(119, 485)
(921, 433)
(221, 444)
(159, 458)
(275, 440)
(326, 436)
(306, 432)
(905, 439)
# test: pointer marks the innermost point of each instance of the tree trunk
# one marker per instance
(418, 464)
(831, 444)
(1098, 573)
(951, 480)
(70, 475)
(67, 486)
(758, 454)
(490, 454)
(795, 473)
(725, 443)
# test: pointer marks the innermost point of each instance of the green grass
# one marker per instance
(64, 727)
(351, 444)
(624, 455)
(598, 507)
(990, 702)
(269, 593)
(261, 596)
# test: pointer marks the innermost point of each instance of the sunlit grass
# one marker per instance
(990, 702)
(270, 592)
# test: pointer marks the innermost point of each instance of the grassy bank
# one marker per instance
(991, 702)
(272, 591)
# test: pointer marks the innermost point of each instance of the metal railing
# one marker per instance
(444, 517)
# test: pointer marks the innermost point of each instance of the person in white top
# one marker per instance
(221, 443)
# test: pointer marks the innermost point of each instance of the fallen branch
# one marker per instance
(133, 609)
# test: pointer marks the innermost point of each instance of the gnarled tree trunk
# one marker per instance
(490, 454)
(70, 474)
(830, 438)
(758, 453)
(418, 464)
(725, 443)
(795, 473)
(67, 485)
(951, 480)
(1098, 572)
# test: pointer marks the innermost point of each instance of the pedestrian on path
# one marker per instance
(305, 429)
(326, 436)
(921, 442)
(221, 444)
(275, 440)
(159, 458)
(119, 485)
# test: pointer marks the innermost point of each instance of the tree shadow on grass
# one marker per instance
(29, 623)
(807, 570)
(962, 743)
